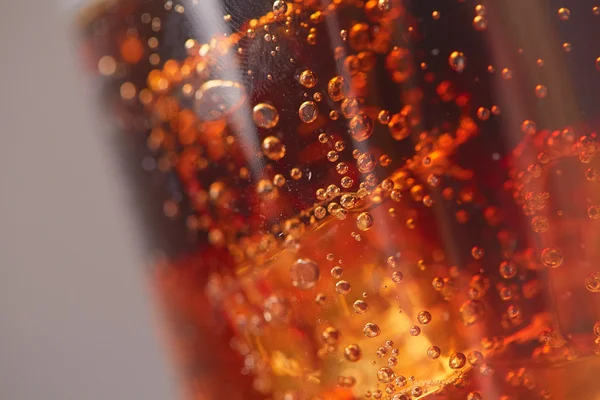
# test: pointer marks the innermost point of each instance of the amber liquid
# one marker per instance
(375, 199)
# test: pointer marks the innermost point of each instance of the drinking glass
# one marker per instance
(363, 199)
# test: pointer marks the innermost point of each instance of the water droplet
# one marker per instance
(592, 282)
(471, 312)
(352, 353)
(331, 335)
(308, 112)
(308, 78)
(371, 330)
(433, 352)
(216, 99)
(457, 360)
(364, 221)
(508, 269)
(385, 374)
(457, 61)
(540, 224)
(552, 257)
(597, 329)
(337, 88)
(273, 148)
(343, 287)
(304, 273)
(480, 9)
(424, 317)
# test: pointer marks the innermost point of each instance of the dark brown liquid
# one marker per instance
(432, 160)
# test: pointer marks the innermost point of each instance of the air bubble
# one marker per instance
(361, 127)
(397, 276)
(552, 257)
(564, 13)
(471, 312)
(352, 353)
(457, 360)
(424, 317)
(272, 148)
(508, 269)
(308, 78)
(364, 221)
(540, 224)
(433, 352)
(371, 330)
(343, 287)
(360, 306)
(304, 273)
(308, 112)
(592, 282)
(337, 88)
(457, 61)
(331, 335)
(385, 374)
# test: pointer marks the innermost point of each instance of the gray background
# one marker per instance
(76, 318)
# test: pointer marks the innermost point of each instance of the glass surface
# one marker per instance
(347, 199)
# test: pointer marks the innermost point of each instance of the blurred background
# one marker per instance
(76, 319)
